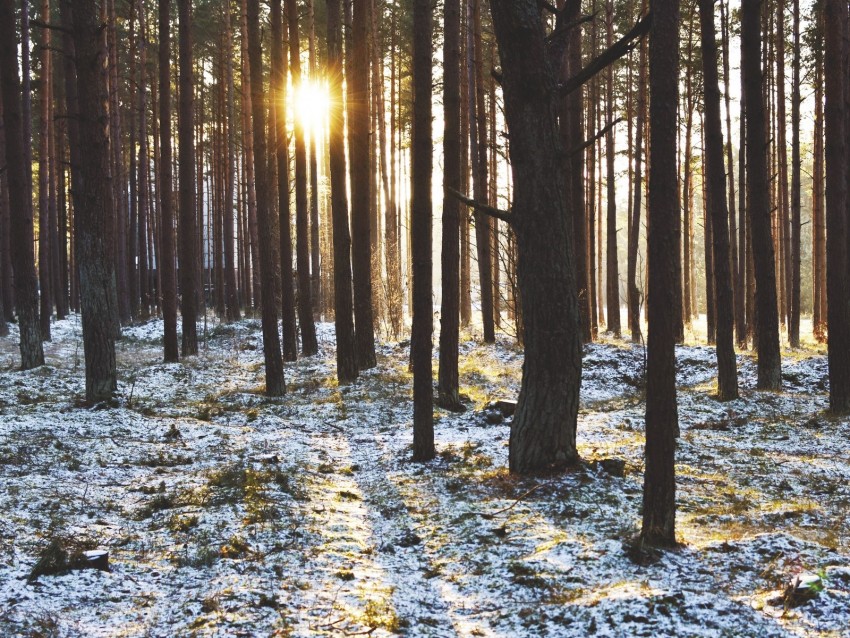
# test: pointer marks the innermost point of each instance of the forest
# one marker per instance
(499, 318)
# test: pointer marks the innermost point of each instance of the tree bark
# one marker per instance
(186, 164)
(612, 271)
(769, 361)
(544, 427)
(838, 295)
(94, 225)
(231, 291)
(421, 213)
(448, 384)
(727, 373)
(634, 236)
(21, 235)
(275, 385)
(794, 319)
(358, 148)
(659, 488)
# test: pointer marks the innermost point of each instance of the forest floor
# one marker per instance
(229, 514)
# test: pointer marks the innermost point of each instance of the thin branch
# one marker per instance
(563, 29)
(551, 8)
(610, 55)
(47, 25)
(578, 149)
(503, 215)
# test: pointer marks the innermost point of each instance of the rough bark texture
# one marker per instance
(21, 236)
(94, 223)
(448, 390)
(231, 293)
(659, 489)
(794, 318)
(612, 273)
(420, 219)
(838, 296)
(726, 365)
(271, 339)
(166, 228)
(634, 235)
(346, 356)
(186, 170)
(358, 149)
(769, 374)
(544, 427)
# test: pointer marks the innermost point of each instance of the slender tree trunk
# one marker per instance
(769, 362)
(634, 235)
(716, 183)
(659, 488)
(281, 150)
(465, 111)
(6, 286)
(21, 236)
(346, 356)
(448, 385)
(421, 172)
(612, 280)
(186, 162)
(275, 385)
(94, 219)
(819, 312)
(358, 149)
(248, 161)
(794, 320)
(44, 275)
(315, 261)
(144, 307)
(231, 293)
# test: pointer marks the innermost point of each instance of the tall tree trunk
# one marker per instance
(248, 162)
(544, 427)
(315, 261)
(186, 163)
(275, 385)
(21, 235)
(465, 269)
(44, 275)
(612, 271)
(144, 297)
(783, 214)
(281, 150)
(448, 384)
(346, 356)
(769, 361)
(358, 149)
(421, 171)
(94, 219)
(634, 235)
(659, 488)
(794, 319)
(478, 148)
(231, 293)
(838, 295)
(6, 286)
(165, 261)
(819, 312)
(727, 374)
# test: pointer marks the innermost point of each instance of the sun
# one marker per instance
(312, 102)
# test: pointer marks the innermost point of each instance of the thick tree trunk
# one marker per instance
(448, 393)
(358, 149)
(275, 385)
(659, 489)
(544, 427)
(21, 236)
(94, 225)
(421, 213)
(769, 361)
(165, 260)
(838, 294)
(727, 374)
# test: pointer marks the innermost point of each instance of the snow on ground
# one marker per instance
(229, 514)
